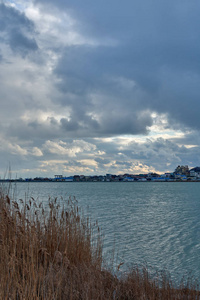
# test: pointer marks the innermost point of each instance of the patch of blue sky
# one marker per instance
(20, 5)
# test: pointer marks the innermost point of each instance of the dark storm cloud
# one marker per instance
(156, 45)
(84, 127)
(100, 102)
(135, 19)
(17, 30)
(18, 41)
(33, 130)
(165, 87)
(102, 161)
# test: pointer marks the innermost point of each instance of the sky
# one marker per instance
(95, 87)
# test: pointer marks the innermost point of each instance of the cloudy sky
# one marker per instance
(96, 87)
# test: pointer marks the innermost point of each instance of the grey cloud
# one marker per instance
(191, 138)
(69, 125)
(93, 74)
(74, 163)
(85, 127)
(79, 69)
(18, 31)
(135, 58)
(157, 47)
(11, 16)
(21, 43)
(157, 87)
(161, 152)
(158, 22)
(32, 131)
(102, 161)
(126, 122)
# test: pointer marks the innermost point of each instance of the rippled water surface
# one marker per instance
(153, 223)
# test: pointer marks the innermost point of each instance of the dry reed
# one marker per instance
(52, 254)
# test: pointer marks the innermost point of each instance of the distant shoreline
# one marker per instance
(136, 181)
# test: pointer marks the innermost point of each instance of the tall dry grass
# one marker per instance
(52, 253)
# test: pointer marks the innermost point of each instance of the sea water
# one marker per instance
(151, 223)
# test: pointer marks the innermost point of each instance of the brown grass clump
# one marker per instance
(46, 254)
(138, 284)
(52, 254)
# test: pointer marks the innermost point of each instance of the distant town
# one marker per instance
(181, 173)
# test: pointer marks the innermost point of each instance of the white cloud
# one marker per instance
(13, 148)
(69, 149)
(36, 152)
(88, 162)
